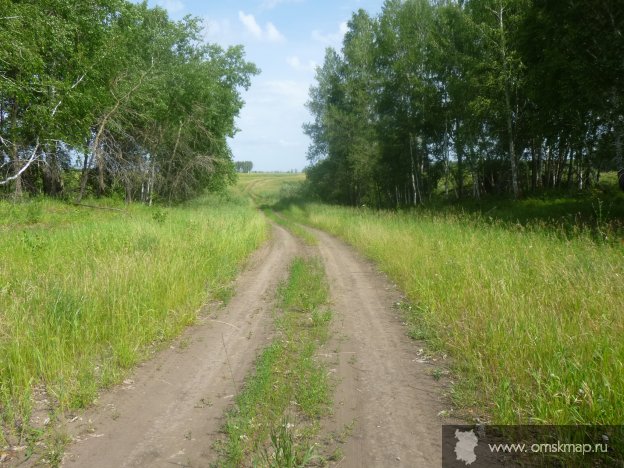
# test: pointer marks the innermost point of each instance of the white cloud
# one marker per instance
(214, 28)
(331, 39)
(272, 34)
(172, 6)
(271, 123)
(289, 144)
(296, 63)
(270, 4)
(295, 93)
(220, 31)
(269, 33)
(251, 25)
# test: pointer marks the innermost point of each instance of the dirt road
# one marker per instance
(169, 413)
(386, 400)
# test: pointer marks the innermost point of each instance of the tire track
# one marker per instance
(386, 396)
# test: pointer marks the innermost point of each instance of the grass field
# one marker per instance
(530, 313)
(268, 188)
(532, 321)
(85, 293)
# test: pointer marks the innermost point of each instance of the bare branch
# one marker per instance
(72, 87)
(21, 171)
(34, 153)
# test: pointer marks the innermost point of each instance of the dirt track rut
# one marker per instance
(386, 399)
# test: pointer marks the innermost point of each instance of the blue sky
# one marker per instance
(286, 39)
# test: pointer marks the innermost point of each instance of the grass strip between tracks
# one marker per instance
(276, 416)
(295, 228)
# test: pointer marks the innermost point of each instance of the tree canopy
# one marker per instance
(475, 96)
(141, 102)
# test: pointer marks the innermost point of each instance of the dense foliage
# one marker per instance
(480, 96)
(99, 96)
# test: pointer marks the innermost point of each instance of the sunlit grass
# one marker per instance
(532, 320)
(86, 293)
(266, 189)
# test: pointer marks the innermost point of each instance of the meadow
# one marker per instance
(529, 312)
(87, 292)
(266, 189)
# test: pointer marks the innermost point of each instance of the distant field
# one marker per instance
(268, 188)
(85, 293)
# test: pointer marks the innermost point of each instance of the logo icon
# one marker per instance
(467, 442)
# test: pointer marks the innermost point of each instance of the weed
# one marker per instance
(160, 216)
(337, 455)
(34, 213)
(284, 451)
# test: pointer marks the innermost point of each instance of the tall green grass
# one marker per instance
(87, 293)
(534, 322)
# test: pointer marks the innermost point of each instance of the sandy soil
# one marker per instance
(169, 412)
(386, 402)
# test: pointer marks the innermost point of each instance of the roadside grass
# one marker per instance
(599, 213)
(86, 293)
(598, 209)
(276, 415)
(532, 318)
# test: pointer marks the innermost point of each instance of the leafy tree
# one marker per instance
(244, 166)
(518, 95)
(147, 103)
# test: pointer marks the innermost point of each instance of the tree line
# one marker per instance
(244, 167)
(469, 98)
(105, 96)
